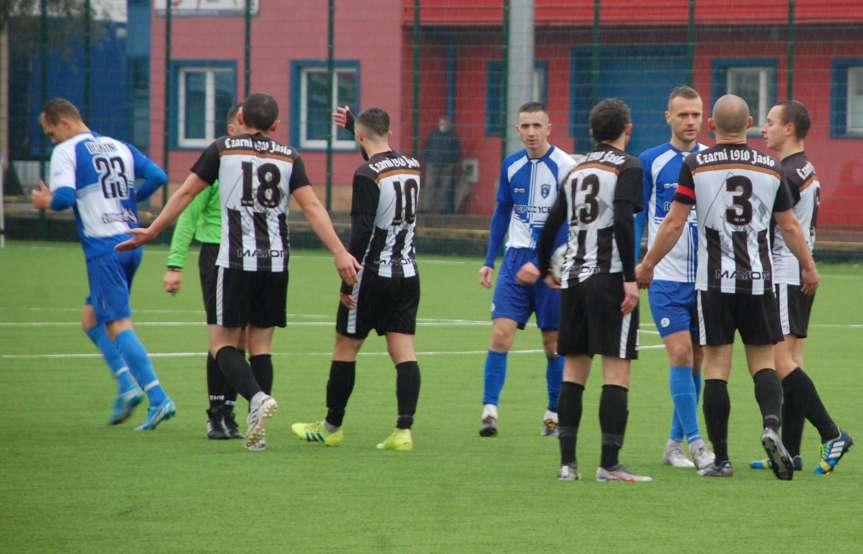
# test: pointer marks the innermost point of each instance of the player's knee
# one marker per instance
(680, 354)
(501, 339)
(88, 318)
(549, 344)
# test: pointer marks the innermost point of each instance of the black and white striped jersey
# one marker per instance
(735, 189)
(805, 190)
(256, 177)
(383, 214)
(600, 235)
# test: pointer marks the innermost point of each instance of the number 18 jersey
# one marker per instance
(735, 189)
(256, 177)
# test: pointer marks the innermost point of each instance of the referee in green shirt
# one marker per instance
(202, 220)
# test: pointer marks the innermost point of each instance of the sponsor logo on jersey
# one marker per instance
(742, 275)
(259, 253)
(528, 209)
(126, 216)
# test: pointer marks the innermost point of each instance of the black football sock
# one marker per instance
(717, 410)
(262, 369)
(339, 388)
(230, 393)
(407, 392)
(613, 413)
(215, 384)
(793, 411)
(237, 372)
(569, 417)
(815, 412)
(768, 394)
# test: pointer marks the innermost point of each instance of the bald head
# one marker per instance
(731, 115)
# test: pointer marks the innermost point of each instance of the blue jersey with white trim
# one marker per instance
(527, 191)
(661, 170)
(101, 171)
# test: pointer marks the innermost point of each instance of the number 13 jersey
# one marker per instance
(256, 177)
(735, 189)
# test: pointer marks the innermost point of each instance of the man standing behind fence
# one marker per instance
(441, 156)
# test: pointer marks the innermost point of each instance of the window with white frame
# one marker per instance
(753, 84)
(205, 94)
(855, 100)
(315, 109)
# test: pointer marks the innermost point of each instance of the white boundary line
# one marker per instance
(201, 354)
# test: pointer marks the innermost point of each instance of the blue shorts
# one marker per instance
(674, 307)
(516, 301)
(110, 277)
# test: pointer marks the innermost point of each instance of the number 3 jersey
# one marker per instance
(102, 172)
(735, 189)
(383, 215)
(256, 177)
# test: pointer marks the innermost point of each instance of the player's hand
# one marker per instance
(41, 197)
(630, 297)
(643, 275)
(485, 275)
(140, 237)
(810, 280)
(552, 281)
(528, 274)
(173, 281)
(347, 266)
(347, 300)
(340, 116)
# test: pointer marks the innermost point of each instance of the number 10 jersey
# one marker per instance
(256, 177)
(735, 189)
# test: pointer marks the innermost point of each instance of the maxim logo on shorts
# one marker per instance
(258, 253)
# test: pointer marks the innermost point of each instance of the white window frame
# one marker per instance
(319, 144)
(763, 73)
(210, 133)
(853, 74)
(540, 81)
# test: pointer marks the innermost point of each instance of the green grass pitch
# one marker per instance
(72, 483)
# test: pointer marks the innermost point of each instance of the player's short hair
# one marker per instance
(232, 112)
(793, 111)
(57, 108)
(375, 120)
(608, 119)
(683, 91)
(260, 111)
(533, 107)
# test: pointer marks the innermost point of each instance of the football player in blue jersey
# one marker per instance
(529, 183)
(95, 176)
(672, 294)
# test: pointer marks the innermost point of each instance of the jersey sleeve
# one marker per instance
(62, 168)
(184, 230)
(627, 201)
(207, 166)
(646, 192)
(364, 207)
(153, 175)
(685, 186)
(629, 187)
(500, 219)
(298, 175)
(794, 185)
(548, 240)
(783, 200)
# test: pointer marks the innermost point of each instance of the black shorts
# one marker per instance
(591, 321)
(754, 315)
(207, 272)
(385, 304)
(794, 309)
(241, 298)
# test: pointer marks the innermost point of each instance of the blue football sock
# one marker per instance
(685, 401)
(553, 377)
(135, 354)
(99, 335)
(495, 375)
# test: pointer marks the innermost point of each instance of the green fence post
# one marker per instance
(789, 61)
(415, 113)
(331, 68)
(504, 82)
(247, 62)
(166, 127)
(690, 47)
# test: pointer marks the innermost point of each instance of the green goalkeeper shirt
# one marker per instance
(201, 220)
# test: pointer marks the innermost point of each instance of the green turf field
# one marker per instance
(71, 483)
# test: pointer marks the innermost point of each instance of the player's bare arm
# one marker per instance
(485, 275)
(666, 237)
(796, 241)
(319, 219)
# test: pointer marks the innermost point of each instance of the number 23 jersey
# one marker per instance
(735, 189)
(256, 177)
